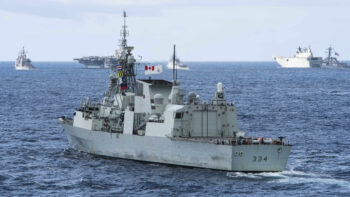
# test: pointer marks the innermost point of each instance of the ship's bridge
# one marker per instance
(145, 91)
(306, 52)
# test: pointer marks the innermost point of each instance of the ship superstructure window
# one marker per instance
(178, 115)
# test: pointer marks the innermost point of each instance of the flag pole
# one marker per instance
(174, 65)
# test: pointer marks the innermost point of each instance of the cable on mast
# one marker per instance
(174, 79)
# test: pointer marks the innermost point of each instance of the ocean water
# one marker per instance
(310, 107)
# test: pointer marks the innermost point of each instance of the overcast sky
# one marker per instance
(203, 30)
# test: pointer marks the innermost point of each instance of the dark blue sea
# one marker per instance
(310, 107)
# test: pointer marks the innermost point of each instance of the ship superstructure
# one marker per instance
(150, 120)
(23, 62)
(302, 59)
(331, 61)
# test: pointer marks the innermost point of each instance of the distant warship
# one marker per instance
(176, 64)
(149, 120)
(302, 59)
(331, 62)
(22, 62)
(92, 62)
(97, 61)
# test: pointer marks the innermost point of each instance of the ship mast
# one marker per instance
(23, 52)
(329, 55)
(329, 51)
(174, 66)
(124, 32)
(123, 80)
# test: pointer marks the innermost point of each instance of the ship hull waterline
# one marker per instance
(17, 68)
(268, 157)
(94, 66)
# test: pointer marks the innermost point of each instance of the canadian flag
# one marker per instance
(149, 70)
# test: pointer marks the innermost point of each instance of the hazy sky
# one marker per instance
(203, 30)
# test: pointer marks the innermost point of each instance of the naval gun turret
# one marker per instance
(219, 95)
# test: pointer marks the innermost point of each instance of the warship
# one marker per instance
(22, 62)
(97, 61)
(150, 120)
(302, 59)
(332, 62)
(178, 64)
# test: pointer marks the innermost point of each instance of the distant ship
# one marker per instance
(302, 59)
(332, 62)
(178, 64)
(97, 61)
(22, 62)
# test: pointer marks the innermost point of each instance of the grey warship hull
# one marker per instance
(168, 150)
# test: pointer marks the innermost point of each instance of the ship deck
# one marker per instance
(234, 140)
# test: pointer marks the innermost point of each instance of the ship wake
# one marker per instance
(293, 177)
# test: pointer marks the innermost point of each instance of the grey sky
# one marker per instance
(249, 30)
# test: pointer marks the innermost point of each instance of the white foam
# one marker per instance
(293, 172)
(292, 177)
(295, 177)
(242, 175)
(255, 175)
(340, 93)
(326, 181)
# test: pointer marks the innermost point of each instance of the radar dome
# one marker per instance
(158, 99)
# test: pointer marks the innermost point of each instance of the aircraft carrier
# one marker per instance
(303, 58)
(97, 61)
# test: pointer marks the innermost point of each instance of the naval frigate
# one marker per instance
(150, 120)
(303, 59)
(23, 62)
